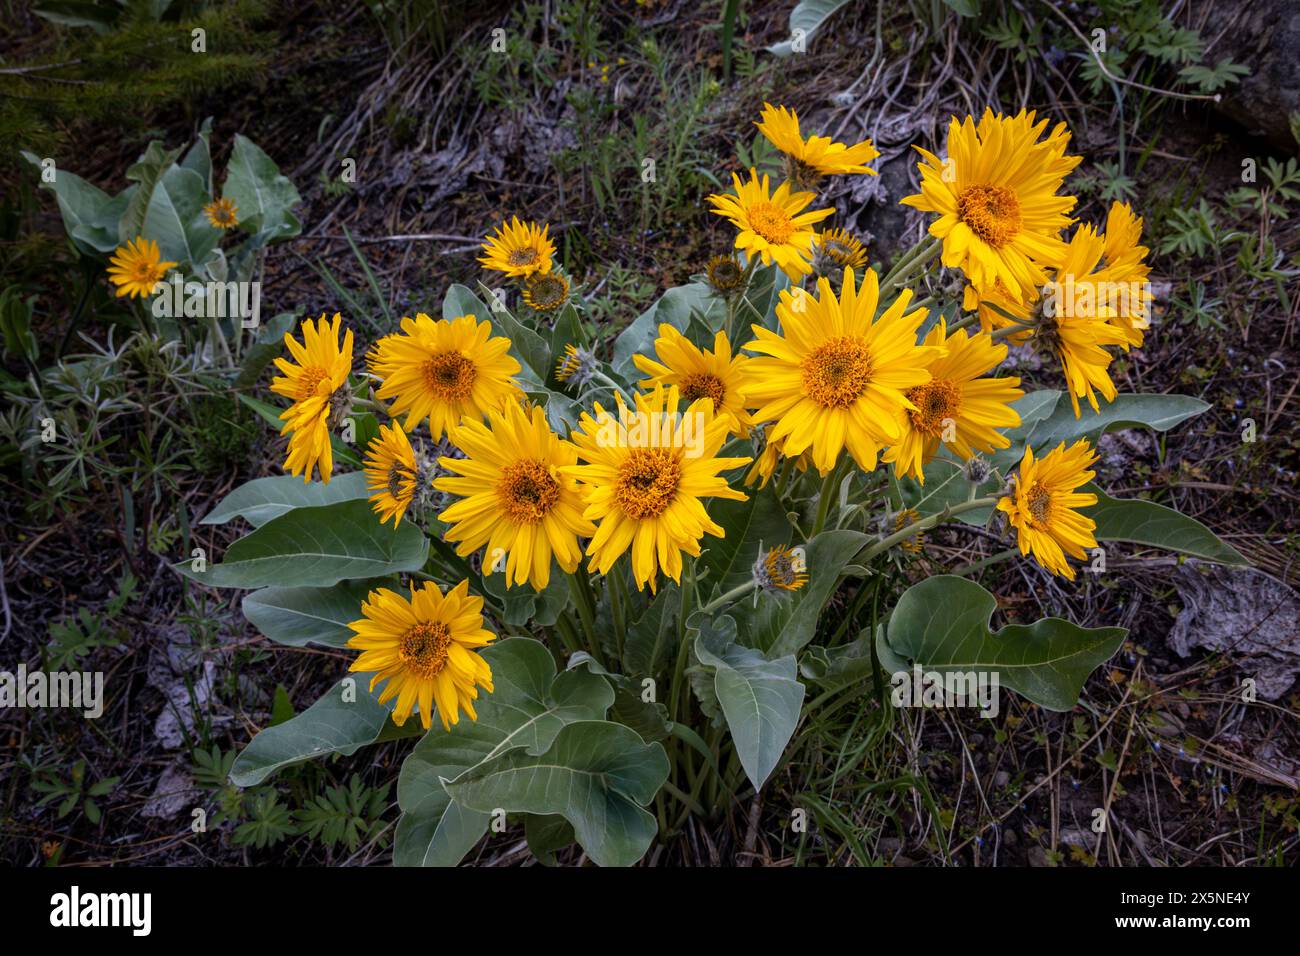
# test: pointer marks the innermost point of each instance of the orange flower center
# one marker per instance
(836, 373)
(647, 482)
(1039, 503)
(528, 490)
(936, 402)
(703, 385)
(423, 649)
(771, 222)
(991, 212)
(450, 376)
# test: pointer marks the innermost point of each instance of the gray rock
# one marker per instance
(174, 792)
(1245, 614)
(1265, 36)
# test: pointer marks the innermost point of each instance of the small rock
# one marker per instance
(174, 792)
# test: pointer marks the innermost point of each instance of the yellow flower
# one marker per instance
(136, 268)
(780, 569)
(1124, 262)
(834, 378)
(1076, 322)
(817, 153)
(317, 384)
(1042, 506)
(843, 249)
(545, 291)
(426, 649)
(514, 498)
(716, 375)
(957, 406)
(221, 213)
(644, 476)
(772, 225)
(444, 371)
(518, 248)
(999, 215)
(391, 472)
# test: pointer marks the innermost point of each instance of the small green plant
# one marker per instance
(75, 638)
(75, 791)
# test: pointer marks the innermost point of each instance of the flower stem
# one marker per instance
(735, 594)
(918, 255)
(829, 488)
(916, 527)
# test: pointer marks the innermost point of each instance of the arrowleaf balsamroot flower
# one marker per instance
(1043, 504)
(392, 472)
(644, 476)
(514, 497)
(426, 649)
(1078, 328)
(518, 249)
(717, 375)
(996, 196)
(957, 406)
(836, 377)
(318, 386)
(221, 213)
(819, 155)
(545, 291)
(779, 569)
(772, 226)
(137, 267)
(445, 371)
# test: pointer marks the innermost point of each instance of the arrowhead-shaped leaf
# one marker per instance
(331, 725)
(260, 500)
(942, 624)
(760, 698)
(263, 196)
(316, 547)
(526, 710)
(297, 616)
(596, 774)
(1145, 522)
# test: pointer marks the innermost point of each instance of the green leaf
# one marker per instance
(263, 197)
(783, 625)
(942, 624)
(597, 775)
(298, 616)
(337, 723)
(268, 346)
(760, 698)
(146, 173)
(316, 547)
(527, 708)
(1158, 412)
(806, 19)
(260, 500)
(522, 604)
(758, 523)
(546, 835)
(90, 215)
(838, 667)
(281, 707)
(647, 633)
(199, 156)
(174, 219)
(1145, 522)
(674, 307)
